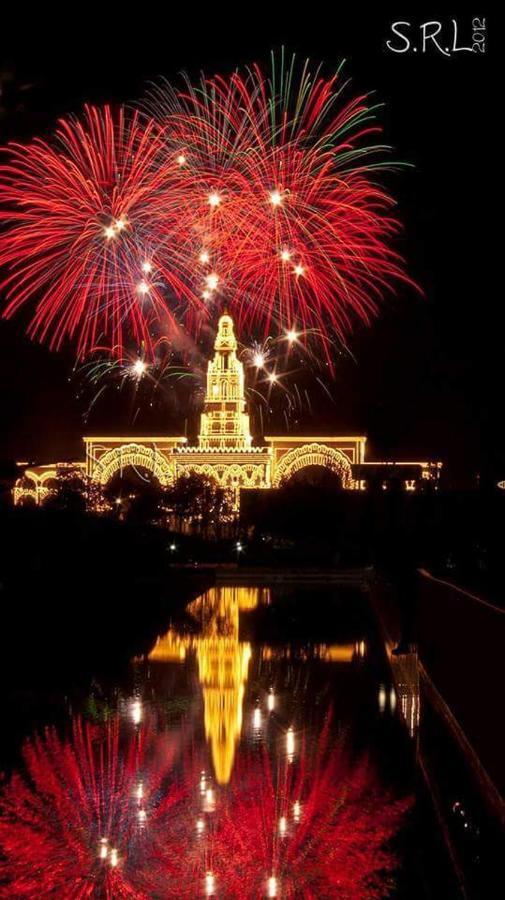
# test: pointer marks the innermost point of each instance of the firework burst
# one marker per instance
(256, 192)
(321, 828)
(86, 216)
(283, 214)
(102, 813)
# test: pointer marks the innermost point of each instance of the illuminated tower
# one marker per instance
(224, 421)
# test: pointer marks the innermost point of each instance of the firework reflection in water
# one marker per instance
(102, 814)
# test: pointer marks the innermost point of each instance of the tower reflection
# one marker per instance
(223, 664)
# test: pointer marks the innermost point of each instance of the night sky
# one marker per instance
(425, 380)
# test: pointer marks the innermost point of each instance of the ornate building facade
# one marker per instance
(225, 450)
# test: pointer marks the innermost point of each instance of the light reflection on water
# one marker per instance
(251, 788)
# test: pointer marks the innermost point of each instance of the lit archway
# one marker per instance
(138, 456)
(313, 455)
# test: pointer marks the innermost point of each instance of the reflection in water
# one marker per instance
(81, 819)
(406, 672)
(317, 829)
(126, 808)
(82, 824)
(223, 664)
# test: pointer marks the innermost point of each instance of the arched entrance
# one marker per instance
(139, 457)
(313, 455)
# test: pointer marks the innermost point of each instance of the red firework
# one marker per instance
(102, 814)
(282, 214)
(320, 829)
(251, 191)
(78, 825)
(86, 220)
